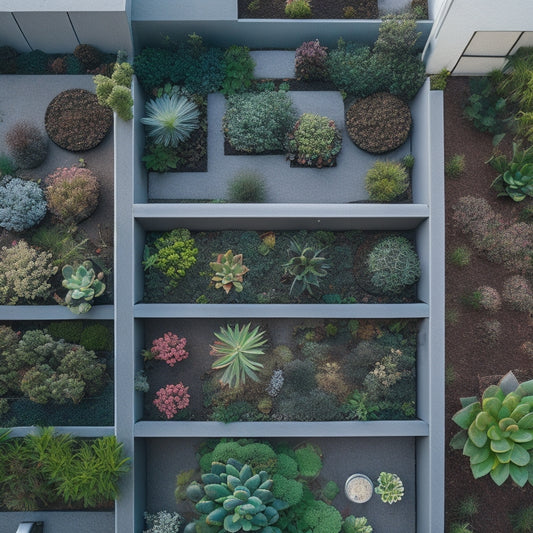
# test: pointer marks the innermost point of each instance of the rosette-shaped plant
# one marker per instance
(497, 433)
(229, 271)
(235, 499)
(390, 487)
(84, 285)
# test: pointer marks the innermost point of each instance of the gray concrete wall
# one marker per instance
(61, 522)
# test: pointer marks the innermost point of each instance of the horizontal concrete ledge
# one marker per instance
(416, 310)
(76, 431)
(63, 5)
(388, 428)
(183, 10)
(53, 312)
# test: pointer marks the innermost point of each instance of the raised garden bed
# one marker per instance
(311, 370)
(343, 274)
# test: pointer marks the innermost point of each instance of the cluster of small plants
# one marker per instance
(37, 366)
(332, 370)
(386, 181)
(46, 470)
(273, 482)
(251, 266)
(86, 59)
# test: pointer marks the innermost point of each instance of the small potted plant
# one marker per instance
(359, 488)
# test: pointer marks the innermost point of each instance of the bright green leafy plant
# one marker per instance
(237, 350)
(356, 525)
(390, 487)
(239, 70)
(234, 499)
(229, 271)
(497, 433)
(306, 266)
(516, 176)
(83, 285)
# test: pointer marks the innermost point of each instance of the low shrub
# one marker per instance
(22, 204)
(171, 119)
(72, 193)
(7, 166)
(309, 460)
(171, 399)
(239, 70)
(298, 9)
(61, 241)
(518, 294)
(460, 256)
(310, 61)
(385, 181)
(379, 123)
(315, 141)
(522, 520)
(247, 187)
(27, 145)
(68, 330)
(153, 67)
(439, 81)
(24, 273)
(397, 36)
(455, 166)
(393, 265)
(34, 62)
(96, 338)
(8, 60)
(89, 56)
(258, 122)
(115, 92)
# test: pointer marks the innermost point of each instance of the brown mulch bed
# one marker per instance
(75, 120)
(469, 360)
(323, 9)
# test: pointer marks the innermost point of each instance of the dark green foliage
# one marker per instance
(440, 80)
(522, 520)
(287, 466)
(239, 70)
(34, 62)
(486, 109)
(365, 355)
(154, 66)
(397, 36)
(96, 337)
(260, 456)
(8, 60)
(330, 490)
(316, 405)
(68, 330)
(288, 490)
(234, 412)
(248, 186)
(299, 376)
(160, 158)
(7, 166)
(309, 460)
(407, 75)
(322, 518)
(74, 66)
(469, 506)
(208, 73)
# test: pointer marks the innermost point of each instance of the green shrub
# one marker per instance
(207, 74)
(298, 9)
(64, 245)
(153, 67)
(460, 256)
(393, 265)
(455, 166)
(160, 158)
(385, 181)
(460, 527)
(121, 101)
(8, 60)
(315, 405)
(439, 81)
(397, 36)
(299, 376)
(309, 460)
(22, 204)
(34, 62)
(315, 141)
(24, 273)
(408, 161)
(258, 122)
(239, 70)
(356, 525)
(330, 490)
(7, 166)
(27, 144)
(74, 66)
(469, 506)
(288, 490)
(320, 517)
(248, 186)
(96, 337)
(287, 466)
(522, 520)
(68, 330)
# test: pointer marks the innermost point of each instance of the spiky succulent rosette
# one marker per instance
(235, 499)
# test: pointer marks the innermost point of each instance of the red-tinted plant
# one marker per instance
(171, 399)
(27, 144)
(59, 65)
(310, 61)
(169, 348)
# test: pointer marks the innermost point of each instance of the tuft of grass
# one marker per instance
(522, 520)
(460, 256)
(451, 316)
(63, 243)
(455, 166)
(472, 299)
(449, 375)
(460, 527)
(469, 506)
(247, 187)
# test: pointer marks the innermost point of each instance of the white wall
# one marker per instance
(458, 20)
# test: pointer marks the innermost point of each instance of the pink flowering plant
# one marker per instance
(169, 348)
(171, 399)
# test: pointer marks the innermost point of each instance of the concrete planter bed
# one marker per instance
(333, 351)
(166, 458)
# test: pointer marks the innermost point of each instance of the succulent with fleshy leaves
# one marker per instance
(516, 176)
(229, 271)
(390, 487)
(306, 265)
(497, 433)
(235, 499)
(84, 285)
(236, 350)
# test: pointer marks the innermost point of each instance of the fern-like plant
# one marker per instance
(171, 119)
(237, 350)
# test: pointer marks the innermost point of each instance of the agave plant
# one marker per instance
(236, 350)
(390, 487)
(229, 271)
(171, 119)
(234, 499)
(84, 285)
(306, 265)
(497, 433)
(516, 177)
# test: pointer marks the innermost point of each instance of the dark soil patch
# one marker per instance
(469, 357)
(325, 9)
(75, 120)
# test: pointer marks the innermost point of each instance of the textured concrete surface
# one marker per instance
(273, 63)
(61, 522)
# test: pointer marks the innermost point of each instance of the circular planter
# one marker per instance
(359, 488)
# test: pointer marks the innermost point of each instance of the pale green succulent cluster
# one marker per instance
(84, 285)
(234, 499)
(390, 487)
(229, 271)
